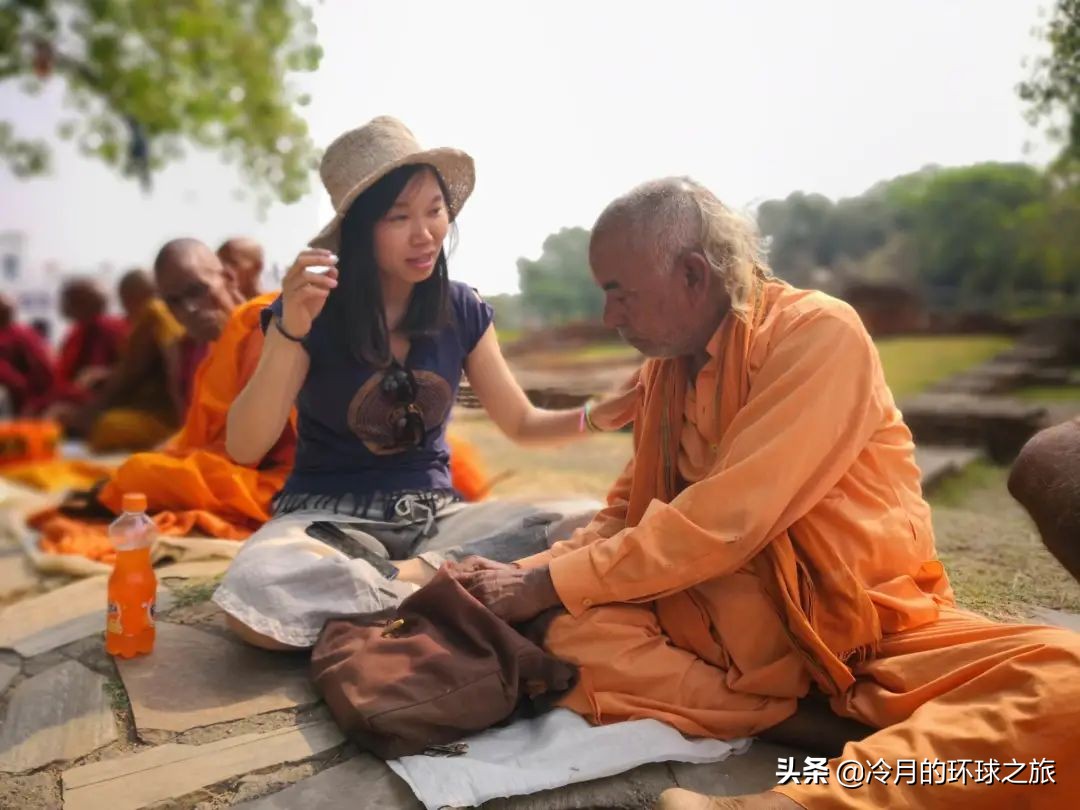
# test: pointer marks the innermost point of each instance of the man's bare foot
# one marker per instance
(679, 799)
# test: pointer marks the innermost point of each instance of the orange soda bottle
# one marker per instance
(129, 626)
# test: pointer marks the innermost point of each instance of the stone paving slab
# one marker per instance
(17, 575)
(61, 714)
(367, 781)
(197, 678)
(70, 613)
(751, 772)
(194, 569)
(173, 770)
(1057, 618)
(7, 674)
(937, 463)
(26, 626)
(363, 781)
(634, 790)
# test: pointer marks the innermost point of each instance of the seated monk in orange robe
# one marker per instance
(1045, 479)
(138, 406)
(769, 543)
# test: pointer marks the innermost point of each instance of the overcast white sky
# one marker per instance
(564, 104)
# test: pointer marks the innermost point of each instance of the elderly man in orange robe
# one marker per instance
(138, 406)
(769, 543)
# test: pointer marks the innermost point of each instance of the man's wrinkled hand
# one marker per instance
(473, 564)
(511, 593)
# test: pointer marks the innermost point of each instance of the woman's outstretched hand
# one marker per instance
(616, 410)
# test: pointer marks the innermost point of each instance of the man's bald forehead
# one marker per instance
(82, 286)
(135, 281)
(180, 253)
(241, 246)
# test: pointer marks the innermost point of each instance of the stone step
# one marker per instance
(174, 770)
(938, 463)
(999, 425)
(61, 714)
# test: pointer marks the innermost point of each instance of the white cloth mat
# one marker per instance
(554, 750)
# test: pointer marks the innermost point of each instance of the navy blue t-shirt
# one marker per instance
(345, 439)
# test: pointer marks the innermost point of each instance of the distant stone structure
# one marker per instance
(886, 308)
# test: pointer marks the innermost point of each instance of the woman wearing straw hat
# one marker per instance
(369, 340)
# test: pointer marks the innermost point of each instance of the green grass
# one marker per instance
(1050, 393)
(507, 336)
(118, 697)
(913, 364)
(954, 491)
(597, 351)
(995, 559)
(195, 593)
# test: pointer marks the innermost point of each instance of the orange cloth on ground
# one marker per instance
(57, 475)
(804, 554)
(62, 535)
(467, 473)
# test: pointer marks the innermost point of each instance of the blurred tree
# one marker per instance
(1053, 89)
(797, 229)
(143, 76)
(808, 231)
(558, 287)
(507, 311)
(966, 226)
(991, 235)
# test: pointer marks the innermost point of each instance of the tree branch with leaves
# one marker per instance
(1052, 90)
(146, 77)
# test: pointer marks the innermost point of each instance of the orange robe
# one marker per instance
(770, 535)
(147, 415)
(192, 483)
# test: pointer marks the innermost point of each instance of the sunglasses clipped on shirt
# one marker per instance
(399, 387)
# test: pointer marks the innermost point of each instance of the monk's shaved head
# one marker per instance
(243, 260)
(194, 285)
(241, 247)
(82, 299)
(177, 252)
(136, 289)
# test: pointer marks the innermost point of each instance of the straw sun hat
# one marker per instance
(358, 159)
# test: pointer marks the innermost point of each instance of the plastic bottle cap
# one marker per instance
(134, 502)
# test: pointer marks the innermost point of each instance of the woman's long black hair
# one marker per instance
(355, 309)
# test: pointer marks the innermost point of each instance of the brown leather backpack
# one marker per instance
(438, 668)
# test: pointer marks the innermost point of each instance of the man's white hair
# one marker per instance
(674, 215)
